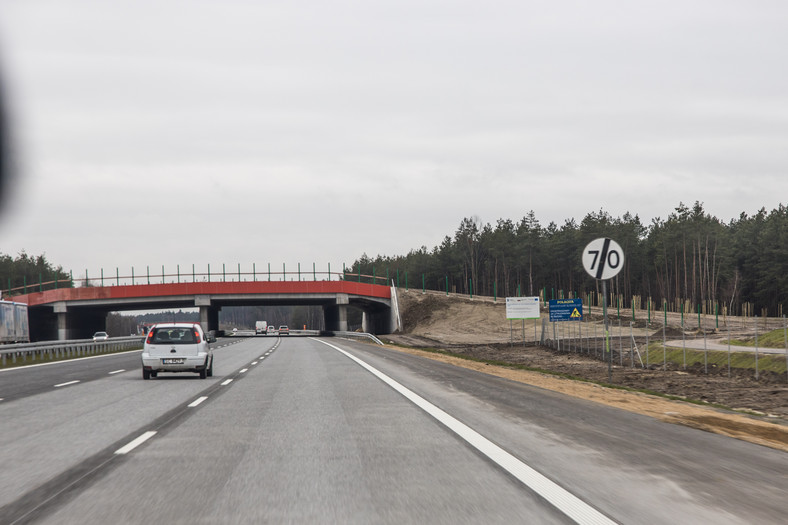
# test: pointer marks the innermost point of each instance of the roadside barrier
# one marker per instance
(29, 353)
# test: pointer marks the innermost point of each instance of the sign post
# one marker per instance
(603, 259)
(522, 308)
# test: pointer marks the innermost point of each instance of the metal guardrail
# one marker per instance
(53, 350)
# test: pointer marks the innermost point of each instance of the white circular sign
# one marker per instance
(603, 258)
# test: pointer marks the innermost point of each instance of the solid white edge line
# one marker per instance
(560, 498)
(197, 401)
(227, 382)
(137, 442)
(117, 371)
(66, 384)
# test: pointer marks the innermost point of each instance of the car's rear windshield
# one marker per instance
(174, 336)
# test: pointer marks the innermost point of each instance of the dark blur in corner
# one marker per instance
(4, 160)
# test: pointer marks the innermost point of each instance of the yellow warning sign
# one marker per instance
(575, 314)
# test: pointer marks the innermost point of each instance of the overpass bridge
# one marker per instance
(75, 313)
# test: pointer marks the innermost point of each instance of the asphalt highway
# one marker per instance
(307, 430)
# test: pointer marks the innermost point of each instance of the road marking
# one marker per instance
(241, 371)
(117, 371)
(254, 363)
(137, 442)
(66, 384)
(559, 497)
(227, 382)
(197, 401)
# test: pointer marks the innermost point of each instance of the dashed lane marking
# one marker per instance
(197, 401)
(66, 384)
(135, 443)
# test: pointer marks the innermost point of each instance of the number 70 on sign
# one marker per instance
(603, 258)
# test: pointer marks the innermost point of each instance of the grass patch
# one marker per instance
(576, 378)
(773, 339)
(743, 360)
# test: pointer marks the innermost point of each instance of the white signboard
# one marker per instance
(603, 258)
(522, 308)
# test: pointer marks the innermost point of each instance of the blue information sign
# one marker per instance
(566, 310)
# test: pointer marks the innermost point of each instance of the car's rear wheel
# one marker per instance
(145, 374)
(210, 369)
(203, 373)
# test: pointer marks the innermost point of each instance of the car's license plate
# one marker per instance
(173, 361)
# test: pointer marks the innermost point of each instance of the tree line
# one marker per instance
(26, 273)
(689, 260)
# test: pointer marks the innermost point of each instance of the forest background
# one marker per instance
(688, 261)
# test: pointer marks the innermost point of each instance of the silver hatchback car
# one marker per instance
(177, 347)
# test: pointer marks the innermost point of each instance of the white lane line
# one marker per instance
(137, 442)
(227, 382)
(197, 401)
(254, 363)
(66, 384)
(117, 371)
(560, 498)
(241, 371)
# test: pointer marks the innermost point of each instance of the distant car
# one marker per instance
(100, 336)
(177, 347)
(284, 330)
(271, 329)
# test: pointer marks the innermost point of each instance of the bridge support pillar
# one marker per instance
(62, 321)
(209, 314)
(376, 322)
(335, 315)
(209, 318)
(62, 330)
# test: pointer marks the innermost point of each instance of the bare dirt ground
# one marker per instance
(478, 328)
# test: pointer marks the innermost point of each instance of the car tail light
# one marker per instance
(197, 337)
(150, 337)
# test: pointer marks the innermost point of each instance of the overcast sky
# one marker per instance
(203, 132)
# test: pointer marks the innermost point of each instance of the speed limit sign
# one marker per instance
(603, 258)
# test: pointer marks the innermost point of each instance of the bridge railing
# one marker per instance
(184, 275)
(46, 351)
